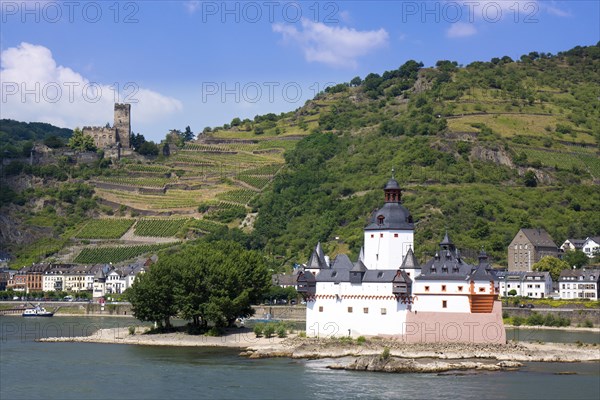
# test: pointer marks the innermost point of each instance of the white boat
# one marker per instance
(37, 311)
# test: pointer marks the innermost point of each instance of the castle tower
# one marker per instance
(390, 232)
(122, 123)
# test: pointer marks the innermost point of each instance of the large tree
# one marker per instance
(152, 295)
(214, 282)
(552, 265)
(576, 258)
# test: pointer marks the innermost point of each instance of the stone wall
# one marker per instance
(122, 123)
(578, 316)
(103, 137)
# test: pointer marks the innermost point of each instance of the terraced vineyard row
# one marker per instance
(155, 182)
(242, 196)
(258, 182)
(112, 228)
(264, 170)
(160, 169)
(206, 226)
(104, 255)
(159, 227)
(583, 161)
(172, 199)
(205, 147)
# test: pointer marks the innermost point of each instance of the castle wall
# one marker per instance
(103, 137)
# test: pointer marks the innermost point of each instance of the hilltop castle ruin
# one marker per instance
(105, 137)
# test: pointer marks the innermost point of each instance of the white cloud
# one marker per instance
(334, 46)
(461, 29)
(35, 88)
(191, 6)
(553, 10)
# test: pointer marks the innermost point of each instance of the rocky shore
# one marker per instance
(401, 365)
(315, 348)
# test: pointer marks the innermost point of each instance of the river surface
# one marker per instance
(32, 370)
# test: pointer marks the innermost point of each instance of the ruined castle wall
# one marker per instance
(103, 137)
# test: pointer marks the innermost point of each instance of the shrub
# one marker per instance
(214, 331)
(132, 330)
(361, 340)
(258, 329)
(517, 321)
(588, 324)
(281, 331)
(386, 353)
(269, 330)
(537, 319)
(302, 334)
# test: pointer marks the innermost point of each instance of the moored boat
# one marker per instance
(37, 311)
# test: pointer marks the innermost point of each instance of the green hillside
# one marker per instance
(480, 150)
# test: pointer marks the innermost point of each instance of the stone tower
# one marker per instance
(122, 123)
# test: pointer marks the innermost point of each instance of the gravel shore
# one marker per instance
(313, 348)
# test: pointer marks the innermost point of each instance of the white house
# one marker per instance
(579, 284)
(572, 244)
(387, 293)
(537, 285)
(591, 247)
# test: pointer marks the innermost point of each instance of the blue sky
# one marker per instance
(202, 63)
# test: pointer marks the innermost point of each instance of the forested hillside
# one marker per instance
(479, 150)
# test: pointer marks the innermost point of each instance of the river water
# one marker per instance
(32, 370)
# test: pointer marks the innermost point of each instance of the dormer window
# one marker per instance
(380, 274)
(380, 219)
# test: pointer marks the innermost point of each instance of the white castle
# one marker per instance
(387, 293)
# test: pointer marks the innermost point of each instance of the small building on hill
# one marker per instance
(572, 245)
(528, 247)
(591, 246)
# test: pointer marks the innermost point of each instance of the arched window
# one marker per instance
(380, 219)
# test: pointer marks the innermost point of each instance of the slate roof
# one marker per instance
(317, 259)
(539, 237)
(392, 184)
(410, 261)
(448, 265)
(395, 216)
(342, 261)
(589, 275)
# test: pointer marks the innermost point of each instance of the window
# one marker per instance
(383, 311)
(443, 288)
(349, 309)
(395, 235)
(381, 235)
(460, 288)
(444, 304)
(380, 219)
(366, 310)
(320, 308)
(427, 288)
(372, 236)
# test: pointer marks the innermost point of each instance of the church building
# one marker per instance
(387, 293)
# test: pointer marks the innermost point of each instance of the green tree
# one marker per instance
(576, 258)
(81, 142)
(152, 295)
(552, 265)
(188, 134)
(148, 149)
(530, 180)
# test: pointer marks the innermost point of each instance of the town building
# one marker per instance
(528, 247)
(591, 247)
(536, 285)
(579, 284)
(387, 293)
(54, 277)
(572, 245)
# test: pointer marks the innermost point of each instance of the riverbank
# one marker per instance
(315, 348)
